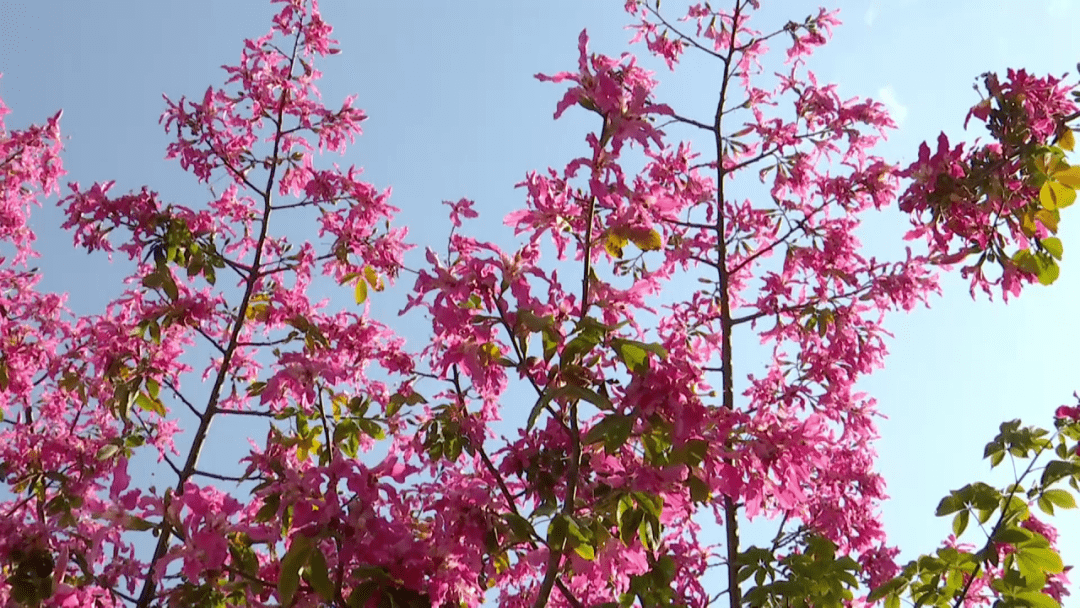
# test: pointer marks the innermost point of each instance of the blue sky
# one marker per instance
(455, 112)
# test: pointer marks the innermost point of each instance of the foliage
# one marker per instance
(596, 501)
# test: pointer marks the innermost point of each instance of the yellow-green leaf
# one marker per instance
(361, 291)
(1053, 246)
(1048, 272)
(614, 244)
(585, 551)
(1069, 177)
(373, 278)
(1067, 140)
(107, 451)
(646, 240)
(1065, 195)
(1027, 223)
(1049, 219)
(491, 351)
(1026, 261)
(1046, 196)
(150, 404)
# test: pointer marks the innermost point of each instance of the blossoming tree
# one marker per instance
(635, 434)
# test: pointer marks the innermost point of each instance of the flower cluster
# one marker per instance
(366, 492)
(1000, 201)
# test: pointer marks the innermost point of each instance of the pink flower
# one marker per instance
(461, 208)
(1066, 412)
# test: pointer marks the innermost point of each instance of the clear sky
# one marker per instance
(455, 112)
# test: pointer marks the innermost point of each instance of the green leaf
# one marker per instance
(153, 388)
(556, 534)
(634, 354)
(545, 508)
(1012, 536)
(1036, 599)
(571, 391)
(1040, 560)
(747, 571)
(574, 531)
(319, 575)
(531, 322)
(656, 444)
(984, 496)
(542, 401)
(362, 593)
(137, 523)
(996, 459)
(651, 503)
(1060, 498)
(948, 505)
(1045, 505)
(649, 532)
(1065, 195)
(631, 354)
(107, 451)
(155, 332)
(628, 525)
(699, 490)
(344, 430)
(665, 568)
(626, 504)
(586, 551)
(1058, 469)
(613, 430)
(579, 346)
(960, 522)
(371, 429)
(691, 453)
(895, 585)
(551, 343)
(994, 447)
(291, 563)
(169, 285)
(519, 526)
(124, 400)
